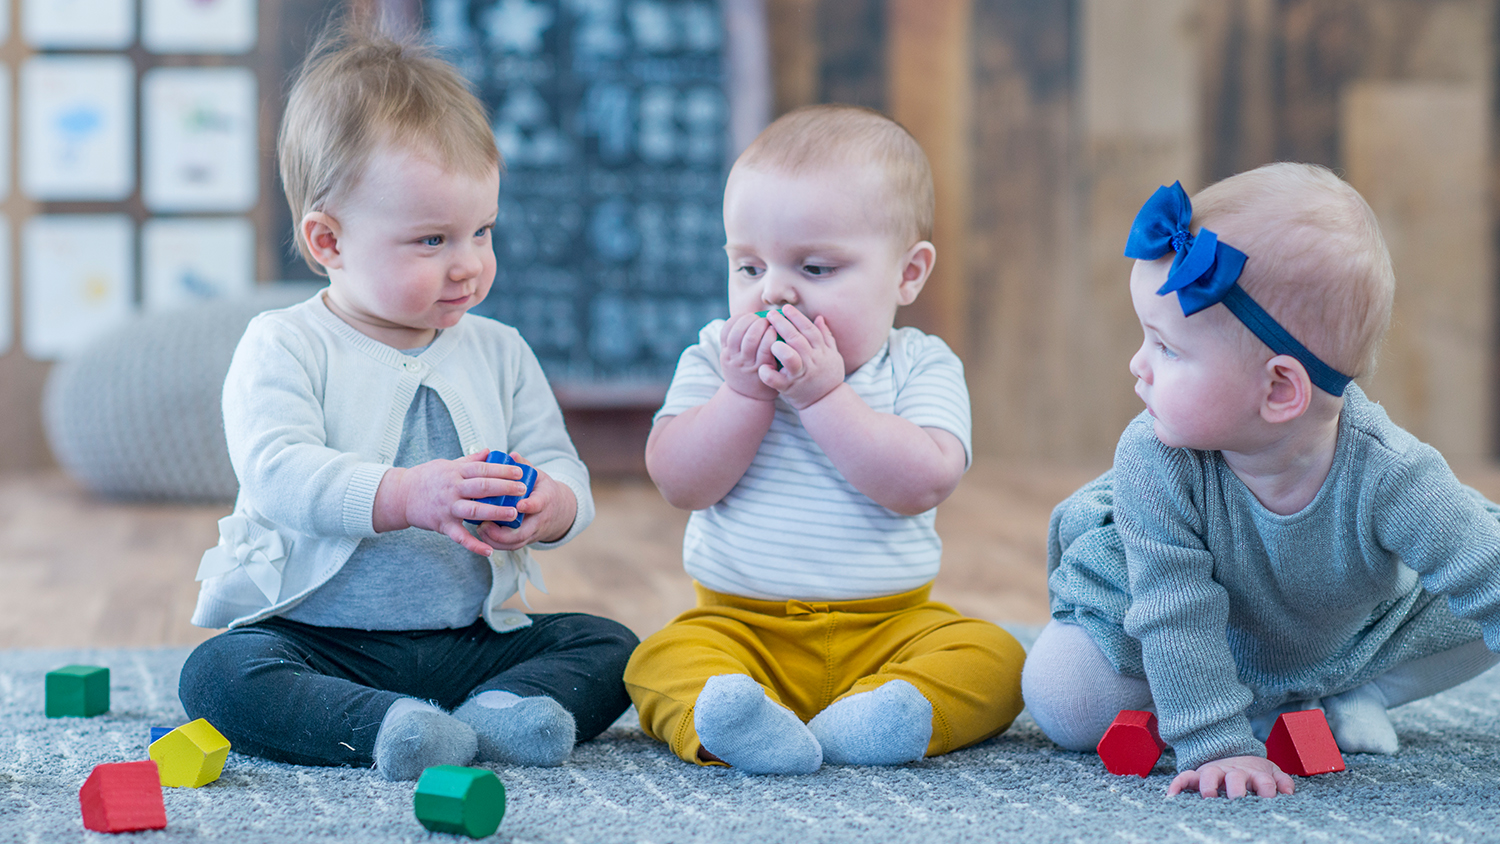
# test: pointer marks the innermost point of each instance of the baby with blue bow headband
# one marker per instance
(1268, 540)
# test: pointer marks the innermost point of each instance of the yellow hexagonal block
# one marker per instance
(191, 755)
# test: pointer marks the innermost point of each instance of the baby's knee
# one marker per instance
(212, 672)
(1072, 691)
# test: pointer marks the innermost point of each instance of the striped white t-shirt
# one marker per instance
(793, 527)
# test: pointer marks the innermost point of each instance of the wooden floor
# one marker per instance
(79, 572)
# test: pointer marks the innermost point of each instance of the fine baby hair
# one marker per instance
(359, 90)
(820, 137)
(1317, 262)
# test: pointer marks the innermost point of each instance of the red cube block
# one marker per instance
(1301, 744)
(123, 797)
(1132, 744)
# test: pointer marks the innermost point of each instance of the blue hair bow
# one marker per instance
(1207, 272)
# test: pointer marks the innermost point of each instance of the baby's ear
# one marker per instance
(916, 267)
(1288, 390)
(321, 233)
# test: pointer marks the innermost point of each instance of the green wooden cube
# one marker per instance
(452, 798)
(80, 691)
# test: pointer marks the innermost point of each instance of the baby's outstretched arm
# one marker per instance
(550, 510)
(439, 494)
(1238, 775)
(898, 464)
(696, 457)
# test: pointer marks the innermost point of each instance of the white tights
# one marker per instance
(1074, 693)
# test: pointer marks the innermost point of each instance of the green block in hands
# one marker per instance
(79, 691)
(453, 798)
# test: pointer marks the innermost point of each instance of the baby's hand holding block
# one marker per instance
(528, 477)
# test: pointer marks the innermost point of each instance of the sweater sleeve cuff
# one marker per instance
(359, 500)
(581, 519)
(1220, 742)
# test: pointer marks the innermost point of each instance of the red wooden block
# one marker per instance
(1301, 744)
(123, 797)
(1131, 745)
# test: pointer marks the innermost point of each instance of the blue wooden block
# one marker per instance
(158, 732)
(528, 477)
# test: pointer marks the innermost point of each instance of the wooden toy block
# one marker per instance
(80, 691)
(452, 798)
(1302, 744)
(190, 756)
(528, 477)
(156, 733)
(122, 797)
(1132, 744)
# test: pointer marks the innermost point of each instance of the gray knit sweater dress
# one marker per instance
(1230, 611)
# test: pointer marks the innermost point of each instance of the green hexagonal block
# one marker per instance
(80, 691)
(452, 798)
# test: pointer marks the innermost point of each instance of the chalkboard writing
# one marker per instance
(612, 118)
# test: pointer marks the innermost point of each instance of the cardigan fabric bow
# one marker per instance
(1206, 272)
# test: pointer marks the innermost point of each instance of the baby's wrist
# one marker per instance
(390, 502)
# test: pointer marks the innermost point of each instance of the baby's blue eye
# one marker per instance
(749, 271)
(1166, 352)
(432, 240)
(484, 231)
(815, 270)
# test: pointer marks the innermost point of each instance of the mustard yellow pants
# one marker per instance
(809, 654)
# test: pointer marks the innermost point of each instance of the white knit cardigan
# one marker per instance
(313, 411)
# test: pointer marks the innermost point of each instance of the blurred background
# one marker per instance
(142, 222)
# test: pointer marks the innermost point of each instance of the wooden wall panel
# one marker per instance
(1021, 253)
(930, 73)
(1414, 149)
(1138, 130)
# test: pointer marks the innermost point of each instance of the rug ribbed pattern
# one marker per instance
(622, 787)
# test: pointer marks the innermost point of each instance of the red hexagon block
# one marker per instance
(1131, 745)
(1302, 744)
(123, 797)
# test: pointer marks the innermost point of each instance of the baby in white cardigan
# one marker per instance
(365, 615)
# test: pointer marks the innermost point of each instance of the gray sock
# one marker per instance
(415, 735)
(1359, 721)
(516, 730)
(738, 723)
(888, 725)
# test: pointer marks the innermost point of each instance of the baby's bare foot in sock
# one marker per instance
(738, 724)
(516, 730)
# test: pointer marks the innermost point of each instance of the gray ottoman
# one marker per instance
(136, 415)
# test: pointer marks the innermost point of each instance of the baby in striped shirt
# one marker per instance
(812, 441)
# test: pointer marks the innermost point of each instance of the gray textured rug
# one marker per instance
(622, 787)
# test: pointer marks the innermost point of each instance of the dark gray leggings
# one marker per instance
(307, 695)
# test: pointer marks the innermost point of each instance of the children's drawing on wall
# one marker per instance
(199, 139)
(185, 261)
(78, 24)
(77, 128)
(198, 26)
(611, 116)
(78, 274)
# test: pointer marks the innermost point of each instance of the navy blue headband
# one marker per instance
(1206, 272)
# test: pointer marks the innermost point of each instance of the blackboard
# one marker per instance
(612, 119)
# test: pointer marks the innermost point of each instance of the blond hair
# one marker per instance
(821, 136)
(358, 91)
(1316, 261)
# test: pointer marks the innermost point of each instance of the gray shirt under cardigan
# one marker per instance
(1230, 610)
(314, 413)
